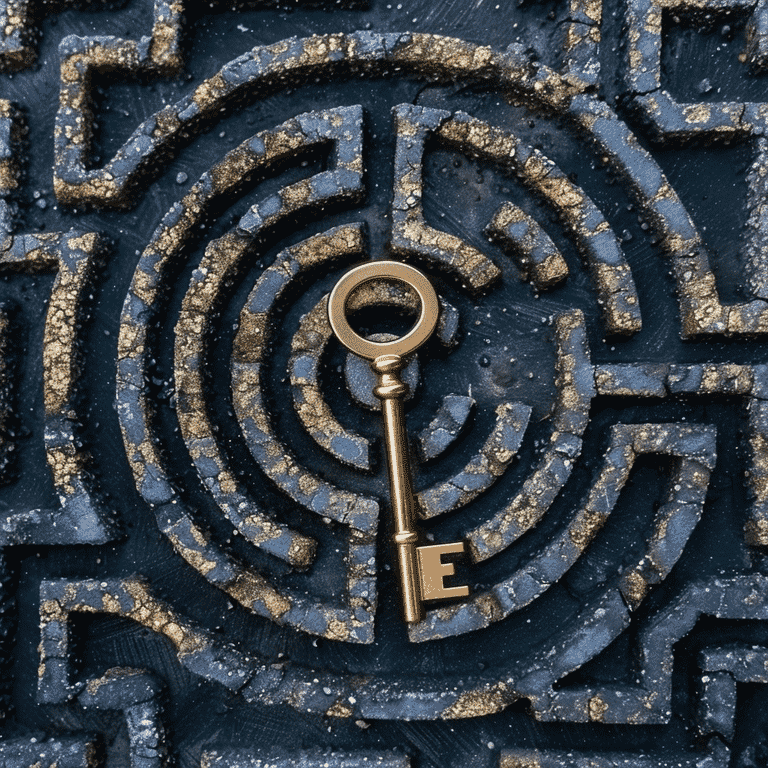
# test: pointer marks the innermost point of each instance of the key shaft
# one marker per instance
(391, 390)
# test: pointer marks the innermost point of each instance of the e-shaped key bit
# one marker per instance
(421, 568)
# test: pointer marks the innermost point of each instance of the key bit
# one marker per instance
(421, 568)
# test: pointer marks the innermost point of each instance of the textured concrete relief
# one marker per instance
(194, 508)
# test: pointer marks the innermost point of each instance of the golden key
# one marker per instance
(421, 567)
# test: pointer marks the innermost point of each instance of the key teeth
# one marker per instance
(432, 571)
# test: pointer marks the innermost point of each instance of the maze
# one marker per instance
(194, 514)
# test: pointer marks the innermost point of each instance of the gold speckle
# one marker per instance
(340, 709)
(249, 588)
(480, 702)
(519, 760)
(634, 588)
(596, 708)
(697, 113)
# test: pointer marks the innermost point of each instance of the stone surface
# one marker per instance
(195, 565)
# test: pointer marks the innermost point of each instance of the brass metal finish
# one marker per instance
(383, 270)
(433, 570)
(421, 569)
(391, 391)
